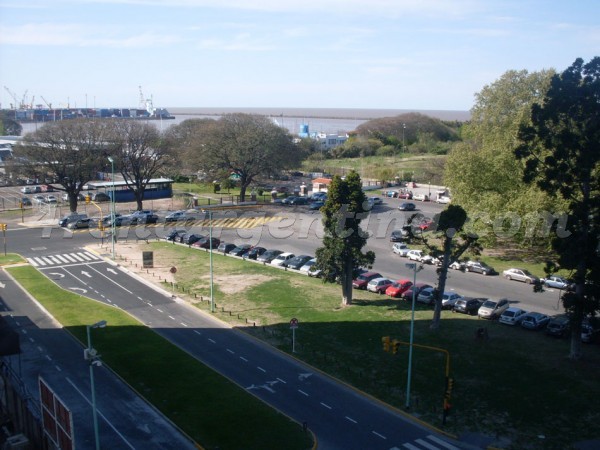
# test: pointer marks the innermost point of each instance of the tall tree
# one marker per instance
(449, 226)
(140, 154)
(71, 151)
(8, 124)
(341, 254)
(561, 149)
(246, 145)
(484, 176)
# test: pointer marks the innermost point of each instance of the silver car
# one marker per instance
(520, 275)
(491, 309)
(512, 316)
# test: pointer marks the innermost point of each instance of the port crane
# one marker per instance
(14, 97)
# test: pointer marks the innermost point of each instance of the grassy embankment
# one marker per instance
(517, 384)
(208, 407)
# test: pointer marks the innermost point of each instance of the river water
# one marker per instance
(326, 120)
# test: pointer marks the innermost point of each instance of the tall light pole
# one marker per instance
(403, 130)
(92, 356)
(210, 257)
(415, 269)
(112, 206)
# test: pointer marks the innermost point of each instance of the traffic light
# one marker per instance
(449, 386)
(395, 345)
(88, 199)
(386, 343)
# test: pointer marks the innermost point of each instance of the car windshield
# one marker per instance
(508, 313)
(489, 304)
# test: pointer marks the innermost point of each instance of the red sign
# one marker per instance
(56, 418)
(294, 323)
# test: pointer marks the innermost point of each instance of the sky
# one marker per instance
(364, 54)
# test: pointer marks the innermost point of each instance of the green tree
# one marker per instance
(561, 151)
(341, 254)
(72, 151)
(449, 226)
(247, 145)
(8, 125)
(140, 154)
(484, 176)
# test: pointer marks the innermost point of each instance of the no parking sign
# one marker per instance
(293, 326)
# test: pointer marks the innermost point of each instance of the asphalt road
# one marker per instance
(338, 415)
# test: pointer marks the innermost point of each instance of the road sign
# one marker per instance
(293, 323)
(173, 269)
(293, 326)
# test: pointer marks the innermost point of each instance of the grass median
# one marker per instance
(212, 410)
(518, 384)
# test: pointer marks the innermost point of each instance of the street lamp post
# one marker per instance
(112, 206)
(92, 356)
(415, 269)
(212, 298)
(403, 129)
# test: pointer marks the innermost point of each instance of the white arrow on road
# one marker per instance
(87, 274)
(304, 376)
(108, 269)
(61, 275)
(83, 291)
(2, 285)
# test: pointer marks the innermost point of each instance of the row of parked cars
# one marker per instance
(77, 221)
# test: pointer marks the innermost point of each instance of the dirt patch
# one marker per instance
(232, 284)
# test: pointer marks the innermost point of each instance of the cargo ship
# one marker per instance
(53, 114)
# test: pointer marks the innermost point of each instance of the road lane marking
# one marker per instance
(171, 317)
(442, 443)
(243, 359)
(379, 435)
(302, 392)
(111, 280)
(101, 415)
(326, 405)
(61, 259)
(279, 379)
(69, 258)
(261, 369)
(230, 351)
(351, 419)
(159, 310)
(212, 341)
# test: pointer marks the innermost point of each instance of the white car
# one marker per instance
(27, 190)
(306, 268)
(51, 199)
(492, 309)
(449, 299)
(415, 255)
(426, 296)
(520, 275)
(379, 285)
(280, 259)
(443, 199)
(401, 249)
(512, 316)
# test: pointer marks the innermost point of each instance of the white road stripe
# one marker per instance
(84, 256)
(39, 260)
(379, 435)
(69, 258)
(410, 446)
(351, 419)
(302, 392)
(442, 443)
(326, 405)
(91, 255)
(426, 444)
(61, 258)
(32, 262)
(77, 257)
(55, 260)
(47, 260)
(261, 369)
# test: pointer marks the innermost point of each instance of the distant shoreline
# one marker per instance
(322, 113)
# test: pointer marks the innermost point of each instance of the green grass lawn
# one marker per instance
(518, 384)
(10, 258)
(202, 403)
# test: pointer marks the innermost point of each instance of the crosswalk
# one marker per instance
(63, 259)
(427, 443)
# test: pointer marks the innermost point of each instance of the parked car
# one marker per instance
(590, 329)
(449, 299)
(492, 309)
(316, 205)
(407, 195)
(318, 196)
(255, 252)
(361, 281)
(457, 265)
(429, 259)
(268, 256)
(479, 267)
(425, 224)
(443, 199)
(240, 250)
(74, 217)
(39, 199)
(25, 201)
(289, 200)
(179, 216)
(415, 255)
(399, 235)
(174, 235)
(299, 201)
(375, 200)
(426, 296)
(400, 248)
(467, 305)
(306, 268)
(559, 326)
(421, 197)
(225, 247)
(534, 320)
(190, 238)
(206, 243)
(379, 285)
(27, 190)
(556, 282)
(408, 294)
(50, 199)
(139, 217)
(397, 288)
(512, 316)
(390, 194)
(297, 261)
(100, 197)
(520, 275)
(407, 206)
(282, 258)
(79, 223)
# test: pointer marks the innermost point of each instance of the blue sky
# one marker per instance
(396, 54)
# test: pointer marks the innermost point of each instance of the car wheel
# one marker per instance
(484, 273)
(528, 281)
(508, 277)
(466, 269)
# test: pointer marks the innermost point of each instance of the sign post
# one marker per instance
(293, 326)
(173, 270)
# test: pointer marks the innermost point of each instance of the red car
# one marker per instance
(363, 279)
(408, 294)
(397, 288)
(425, 224)
(406, 195)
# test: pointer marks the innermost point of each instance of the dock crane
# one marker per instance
(14, 97)
(48, 104)
(24, 105)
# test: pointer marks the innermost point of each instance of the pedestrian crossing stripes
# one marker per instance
(63, 259)
(427, 443)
